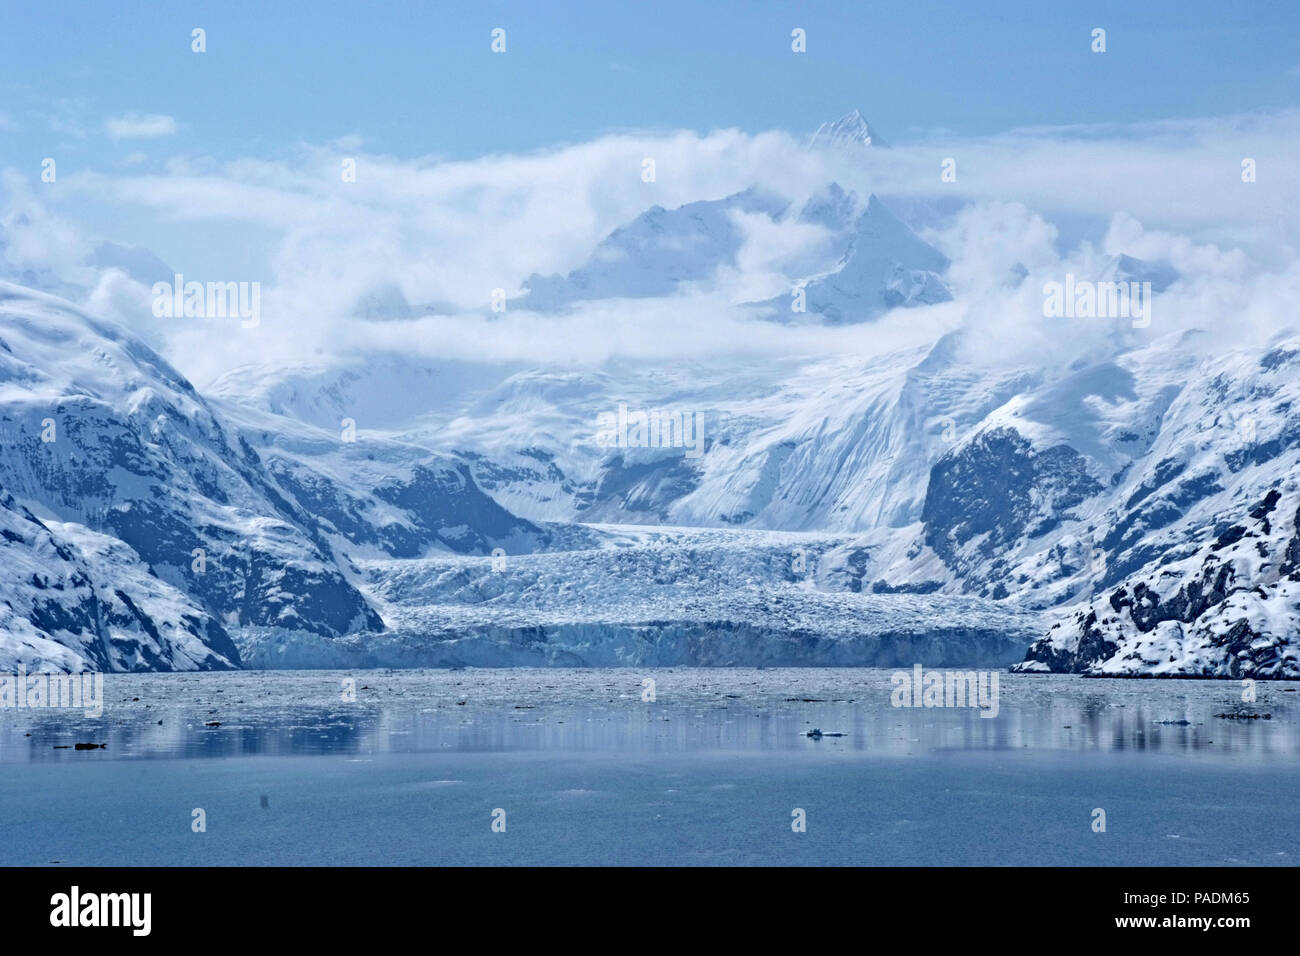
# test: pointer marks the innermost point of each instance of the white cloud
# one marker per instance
(987, 240)
(448, 233)
(140, 126)
(33, 241)
(348, 141)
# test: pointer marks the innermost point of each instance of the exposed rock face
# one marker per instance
(1231, 609)
(998, 489)
(75, 599)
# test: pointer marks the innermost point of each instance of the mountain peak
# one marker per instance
(852, 129)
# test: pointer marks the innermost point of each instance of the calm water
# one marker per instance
(710, 771)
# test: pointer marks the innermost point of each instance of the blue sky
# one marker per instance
(417, 79)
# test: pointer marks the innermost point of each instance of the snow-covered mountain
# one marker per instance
(849, 131)
(144, 529)
(874, 262)
(1198, 552)
(885, 265)
(1131, 507)
(370, 493)
(1027, 488)
(105, 444)
(1033, 487)
(656, 253)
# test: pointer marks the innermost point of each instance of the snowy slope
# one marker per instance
(76, 600)
(122, 480)
(886, 266)
(1199, 570)
(373, 493)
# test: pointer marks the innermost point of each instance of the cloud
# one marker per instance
(452, 231)
(447, 233)
(140, 126)
(986, 241)
(654, 332)
(36, 243)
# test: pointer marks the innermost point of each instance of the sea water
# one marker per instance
(650, 766)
